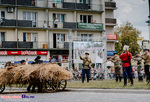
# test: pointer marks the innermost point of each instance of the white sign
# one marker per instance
(95, 49)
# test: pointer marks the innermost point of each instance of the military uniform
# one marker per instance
(146, 58)
(117, 65)
(86, 67)
(139, 66)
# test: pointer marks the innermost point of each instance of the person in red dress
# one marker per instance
(126, 57)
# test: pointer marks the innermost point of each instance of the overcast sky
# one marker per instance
(134, 11)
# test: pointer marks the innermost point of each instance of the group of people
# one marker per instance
(95, 74)
(122, 62)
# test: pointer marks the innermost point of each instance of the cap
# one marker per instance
(22, 61)
(146, 50)
(115, 53)
(86, 53)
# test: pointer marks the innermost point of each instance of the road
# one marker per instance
(80, 95)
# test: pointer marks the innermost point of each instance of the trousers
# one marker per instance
(127, 72)
(87, 72)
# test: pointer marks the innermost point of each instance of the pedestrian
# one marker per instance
(146, 57)
(56, 23)
(86, 66)
(127, 69)
(117, 64)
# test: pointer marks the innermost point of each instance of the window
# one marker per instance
(29, 37)
(2, 36)
(60, 17)
(30, 16)
(85, 18)
(61, 37)
(86, 37)
(2, 14)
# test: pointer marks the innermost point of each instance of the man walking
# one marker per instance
(117, 65)
(86, 66)
(146, 57)
(127, 69)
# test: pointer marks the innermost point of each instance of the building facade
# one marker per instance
(36, 27)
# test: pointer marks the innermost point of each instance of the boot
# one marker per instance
(125, 81)
(120, 78)
(116, 78)
(131, 81)
(87, 79)
(83, 79)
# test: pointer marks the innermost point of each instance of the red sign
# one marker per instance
(23, 52)
(111, 37)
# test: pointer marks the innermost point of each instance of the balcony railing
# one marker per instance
(110, 5)
(111, 21)
(50, 24)
(12, 22)
(33, 45)
(68, 4)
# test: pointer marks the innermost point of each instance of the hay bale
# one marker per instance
(32, 73)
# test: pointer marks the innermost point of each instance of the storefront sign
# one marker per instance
(111, 53)
(98, 26)
(23, 52)
(111, 37)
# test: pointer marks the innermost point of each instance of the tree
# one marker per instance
(127, 35)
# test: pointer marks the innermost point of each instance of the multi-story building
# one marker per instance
(35, 27)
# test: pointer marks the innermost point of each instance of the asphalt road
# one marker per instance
(79, 95)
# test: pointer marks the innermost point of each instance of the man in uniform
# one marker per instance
(86, 66)
(127, 69)
(146, 57)
(139, 62)
(117, 65)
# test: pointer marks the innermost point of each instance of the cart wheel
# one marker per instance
(62, 85)
(51, 86)
(2, 88)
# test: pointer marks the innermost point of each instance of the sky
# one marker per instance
(134, 11)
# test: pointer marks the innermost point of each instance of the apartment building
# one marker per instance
(35, 27)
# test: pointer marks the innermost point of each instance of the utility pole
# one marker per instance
(70, 48)
(148, 21)
(105, 53)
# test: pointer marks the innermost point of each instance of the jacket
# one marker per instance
(126, 58)
(86, 62)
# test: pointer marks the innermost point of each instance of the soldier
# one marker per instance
(127, 69)
(86, 66)
(117, 65)
(146, 57)
(139, 62)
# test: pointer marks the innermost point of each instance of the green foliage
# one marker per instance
(127, 35)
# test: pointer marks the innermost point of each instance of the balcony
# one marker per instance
(110, 5)
(33, 45)
(58, 4)
(12, 22)
(110, 22)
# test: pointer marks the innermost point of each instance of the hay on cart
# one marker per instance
(27, 74)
